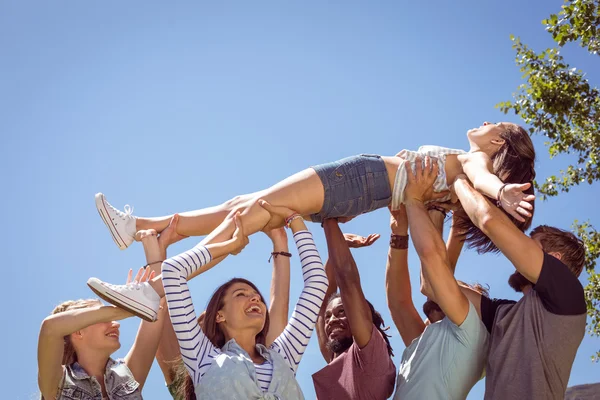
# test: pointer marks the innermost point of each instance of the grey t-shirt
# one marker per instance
(534, 341)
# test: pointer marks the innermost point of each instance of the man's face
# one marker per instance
(337, 329)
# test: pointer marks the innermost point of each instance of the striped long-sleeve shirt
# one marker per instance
(198, 352)
(440, 184)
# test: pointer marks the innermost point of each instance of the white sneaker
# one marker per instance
(137, 298)
(120, 224)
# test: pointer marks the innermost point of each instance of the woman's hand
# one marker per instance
(515, 202)
(276, 211)
(420, 183)
(170, 235)
(143, 275)
(356, 241)
(238, 240)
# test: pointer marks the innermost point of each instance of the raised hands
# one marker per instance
(515, 202)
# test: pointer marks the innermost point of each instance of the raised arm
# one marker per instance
(438, 222)
(295, 337)
(279, 301)
(348, 279)
(397, 281)
(429, 243)
(197, 351)
(354, 241)
(141, 355)
(478, 168)
(520, 249)
(52, 338)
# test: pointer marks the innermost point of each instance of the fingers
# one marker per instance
(525, 205)
(529, 197)
(523, 212)
(138, 275)
(524, 186)
(129, 277)
(264, 204)
(237, 218)
(516, 216)
(372, 238)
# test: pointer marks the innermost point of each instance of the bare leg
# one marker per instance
(302, 192)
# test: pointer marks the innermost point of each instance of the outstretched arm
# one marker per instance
(141, 355)
(348, 279)
(397, 283)
(520, 249)
(279, 301)
(354, 241)
(52, 336)
(429, 244)
(479, 170)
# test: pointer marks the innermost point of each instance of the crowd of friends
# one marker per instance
(240, 347)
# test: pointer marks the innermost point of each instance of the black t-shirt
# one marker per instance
(558, 288)
(533, 341)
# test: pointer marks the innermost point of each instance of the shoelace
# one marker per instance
(128, 210)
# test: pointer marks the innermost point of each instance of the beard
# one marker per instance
(338, 346)
(518, 281)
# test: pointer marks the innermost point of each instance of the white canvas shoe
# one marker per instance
(120, 224)
(137, 298)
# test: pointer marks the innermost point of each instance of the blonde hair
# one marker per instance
(69, 355)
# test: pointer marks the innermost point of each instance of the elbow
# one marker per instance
(426, 289)
(484, 219)
(49, 327)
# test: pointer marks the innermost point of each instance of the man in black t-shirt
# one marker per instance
(533, 341)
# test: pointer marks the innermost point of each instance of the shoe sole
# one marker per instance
(116, 299)
(101, 207)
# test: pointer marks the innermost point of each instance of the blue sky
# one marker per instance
(172, 107)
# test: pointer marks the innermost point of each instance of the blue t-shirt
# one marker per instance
(444, 362)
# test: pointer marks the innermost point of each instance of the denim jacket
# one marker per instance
(118, 379)
(232, 376)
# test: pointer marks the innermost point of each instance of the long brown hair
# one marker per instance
(512, 163)
(213, 332)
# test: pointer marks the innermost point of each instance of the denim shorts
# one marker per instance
(353, 186)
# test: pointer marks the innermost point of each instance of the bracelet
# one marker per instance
(399, 242)
(154, 262)
(288, 220)
(279, 253)
(499, 195)
(437, 208)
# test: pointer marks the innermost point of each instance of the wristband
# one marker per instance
(280, 253)
(149, 264)
(399, 242)
(499, 195)
(288, 220)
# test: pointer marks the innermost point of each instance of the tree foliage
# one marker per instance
(558, 102)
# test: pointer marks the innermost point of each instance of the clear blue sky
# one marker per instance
(177, 106)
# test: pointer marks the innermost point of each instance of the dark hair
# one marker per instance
(431, 305)
(212, 330)
(570, 247)
(512, 163)
(377, 321)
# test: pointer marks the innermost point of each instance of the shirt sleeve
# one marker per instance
(374, 358)
(489, 308)
(197, 351)
(472, 330)
(559, 289)
(295, 337)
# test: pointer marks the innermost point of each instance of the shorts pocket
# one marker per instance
(343, 209)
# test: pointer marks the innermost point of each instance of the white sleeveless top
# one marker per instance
(435, 152)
